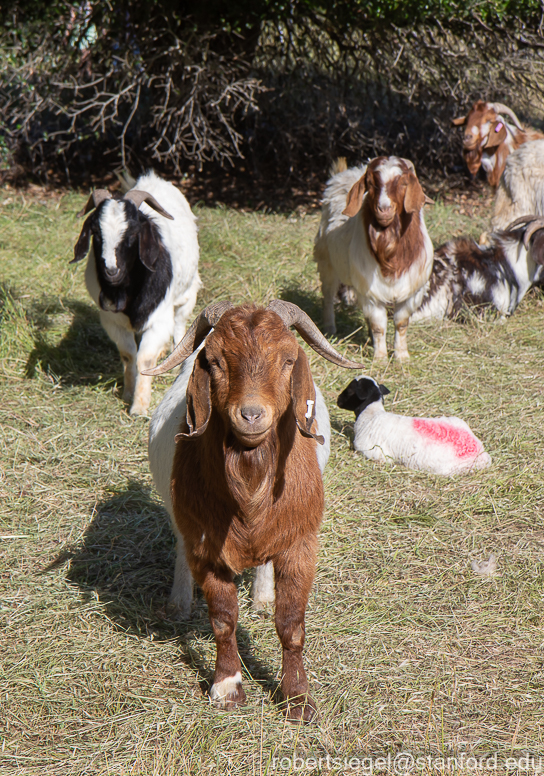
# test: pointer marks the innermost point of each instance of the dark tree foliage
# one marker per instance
(288, 84)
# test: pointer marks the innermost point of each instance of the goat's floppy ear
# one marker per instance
(149, 244)
(199, 406)
(81, 248)
(303, 397)
(459, 121)
(414, 198)
(497, 134)
(354, 201)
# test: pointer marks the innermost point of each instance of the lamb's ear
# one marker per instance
(383, 390)
(459, 121)
(303, 397)
(414, 198)
(81, 248)
(199, 406)
(354, 201)
(497, 134)
(149, 245)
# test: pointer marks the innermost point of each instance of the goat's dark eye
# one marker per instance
(288, 363)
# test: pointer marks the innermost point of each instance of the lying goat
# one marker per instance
(443, 446)
(246, 486)
(142, 272)
(372, 237)
(492, 132)
(497, 275)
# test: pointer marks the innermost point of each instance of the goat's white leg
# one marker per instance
(377, 322)
(181, 595)
(183, 309)
(329, 285)
(123, 336)
(263, 587)
(154, 341)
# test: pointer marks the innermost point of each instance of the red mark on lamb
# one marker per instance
(463, 443)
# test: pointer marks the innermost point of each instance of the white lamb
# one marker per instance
(443, 445)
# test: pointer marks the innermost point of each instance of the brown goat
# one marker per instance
(246, 485)
(373, 237)
(489, 139)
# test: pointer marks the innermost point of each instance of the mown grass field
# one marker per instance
(407, 648)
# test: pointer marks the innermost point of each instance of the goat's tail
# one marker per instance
(339, 165)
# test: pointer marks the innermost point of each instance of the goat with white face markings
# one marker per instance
(373, 237)
(492, 132)
(142, 272)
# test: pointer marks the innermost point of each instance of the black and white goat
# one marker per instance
(142, 272)
(496, 275)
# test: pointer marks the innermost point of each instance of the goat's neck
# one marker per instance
(369, 412)
(395, 247)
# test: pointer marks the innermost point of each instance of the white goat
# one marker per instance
(521, 186)
(444, 446)
(142, 272)
(372, 237)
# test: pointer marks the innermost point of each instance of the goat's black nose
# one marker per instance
(111, 272)
(251, 414)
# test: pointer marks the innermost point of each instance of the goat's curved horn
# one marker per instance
(198, 330)
(531, 223)
(292, 315)
(498, 107)
(143, 196)
(97, 197)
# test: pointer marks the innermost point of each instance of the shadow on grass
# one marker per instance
(126, 561)
(84, 356)
(349, 320)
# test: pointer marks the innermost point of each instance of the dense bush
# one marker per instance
(286, 83)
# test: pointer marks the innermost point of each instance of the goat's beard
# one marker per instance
(251, 472)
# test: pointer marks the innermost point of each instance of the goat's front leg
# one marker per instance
(329, 286)
(401, 318)
(154, 342)
(118, 328)
(294, 577)
(377, 322)
(220, 593)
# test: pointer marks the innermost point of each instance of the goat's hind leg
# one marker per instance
(263, 588)
(220, 593)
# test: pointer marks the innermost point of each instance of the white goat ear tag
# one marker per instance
(310, 404)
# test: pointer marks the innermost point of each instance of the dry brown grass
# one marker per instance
(406, 647)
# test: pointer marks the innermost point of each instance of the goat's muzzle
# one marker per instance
(250, 422)
(385, 217)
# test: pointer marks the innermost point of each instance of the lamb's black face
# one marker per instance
(360, 393)
(115, 229)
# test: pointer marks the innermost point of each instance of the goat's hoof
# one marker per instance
(329, 330)
(262, 606)
(402, 356)
(138, 409)
(380, 356)
(300, 709)
(229, 693)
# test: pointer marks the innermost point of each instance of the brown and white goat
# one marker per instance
(246, 486)
(489, 138)
(373, 237)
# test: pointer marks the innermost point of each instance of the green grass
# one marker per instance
(406, 647)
